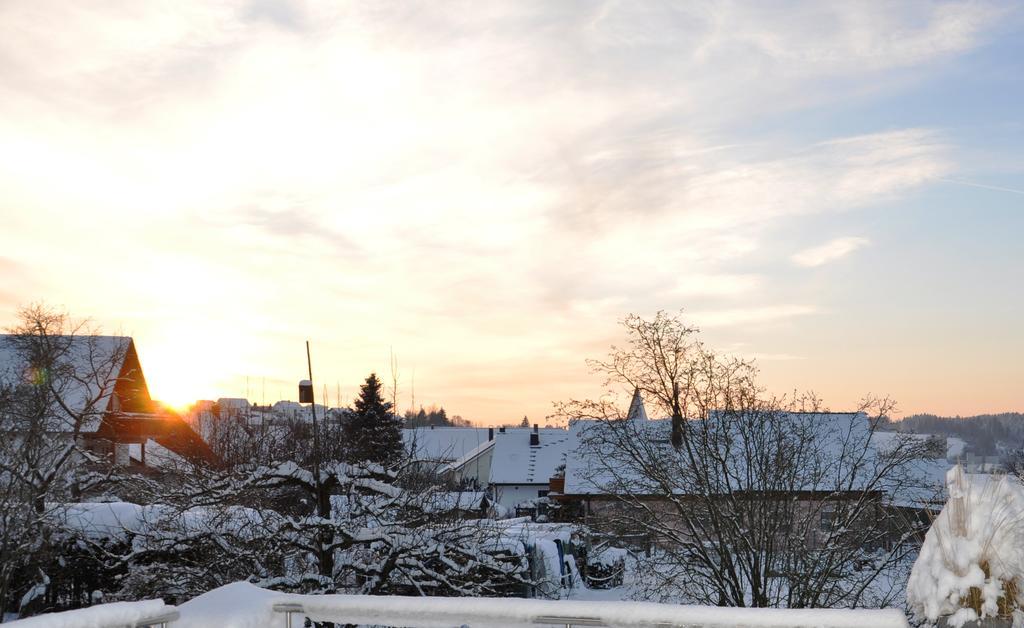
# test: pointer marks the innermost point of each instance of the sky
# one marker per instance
(483, 190)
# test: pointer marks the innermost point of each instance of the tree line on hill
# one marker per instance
(432, 417)
(985, 434)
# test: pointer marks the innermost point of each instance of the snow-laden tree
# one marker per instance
(747, 500)
(265, 524)
(54, 377)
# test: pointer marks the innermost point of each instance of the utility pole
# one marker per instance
(325, 558)
(306, 395)
(312, 407)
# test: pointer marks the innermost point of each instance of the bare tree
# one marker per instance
(395, 378)
(748, 500)
(56, 377)
(667, 362)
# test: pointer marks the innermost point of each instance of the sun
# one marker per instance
(177, 376)
(173, 384)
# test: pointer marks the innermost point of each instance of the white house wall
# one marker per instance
(513, 494)
(478, 468)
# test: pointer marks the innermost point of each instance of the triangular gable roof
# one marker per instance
(86, 372)
(100, 380)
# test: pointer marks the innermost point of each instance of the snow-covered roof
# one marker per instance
(588, 474)
(955, 448)
(85, 372)
(233, 403)
(926, 487)
(468, 457)
(584, 474)
(119, 520)
(516, 461)
(443, 444)
(157, 456)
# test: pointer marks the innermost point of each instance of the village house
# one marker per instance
(524, 461)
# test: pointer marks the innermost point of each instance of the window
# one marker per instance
(828, 515)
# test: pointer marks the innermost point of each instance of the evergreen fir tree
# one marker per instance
(440, 418)
(525, 422)
(372, 432)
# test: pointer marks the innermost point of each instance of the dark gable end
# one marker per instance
(131, 394)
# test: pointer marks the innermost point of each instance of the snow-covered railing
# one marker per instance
(242, 604)
(439, 612)
(144, 614)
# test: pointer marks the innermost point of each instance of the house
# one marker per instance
(523, 461)
(101, 396)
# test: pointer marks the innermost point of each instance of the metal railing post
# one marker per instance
(289, 610)
(160, 620)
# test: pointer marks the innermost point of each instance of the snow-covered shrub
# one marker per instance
(971, 564)
(606, 567)
(356, 530)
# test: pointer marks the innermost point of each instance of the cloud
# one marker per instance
(533, 168)
(750, 315)
(829, 251)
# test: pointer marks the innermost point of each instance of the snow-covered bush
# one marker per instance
(353, 529)
(971, 564)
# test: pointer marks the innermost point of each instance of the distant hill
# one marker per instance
(985, 434)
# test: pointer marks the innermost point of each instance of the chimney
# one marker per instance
(534, 437)
(535, 426)
(490, 433)
(501, 430)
